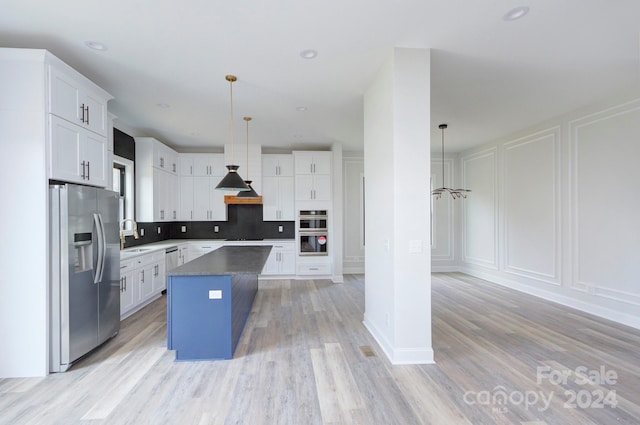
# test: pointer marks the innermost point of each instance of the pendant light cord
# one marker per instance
(247, 119)
(231, 122)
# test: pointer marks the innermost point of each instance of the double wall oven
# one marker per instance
(313, 232)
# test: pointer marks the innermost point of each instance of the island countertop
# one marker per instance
(227, 260)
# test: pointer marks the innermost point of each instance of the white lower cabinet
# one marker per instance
(198, 249)
(313, 268)
(282, 260)
(142, 279)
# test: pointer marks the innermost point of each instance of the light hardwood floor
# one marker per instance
(305, 358)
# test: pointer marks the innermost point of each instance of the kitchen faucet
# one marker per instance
(135, 231)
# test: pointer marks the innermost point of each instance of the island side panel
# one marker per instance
(244, 288)
(199, 325)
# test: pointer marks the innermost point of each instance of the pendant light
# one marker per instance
(232, 181)
(251, 193)
(455, 193)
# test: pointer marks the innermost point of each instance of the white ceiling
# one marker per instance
(490, 77)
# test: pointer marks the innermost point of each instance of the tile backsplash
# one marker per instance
(244, 221)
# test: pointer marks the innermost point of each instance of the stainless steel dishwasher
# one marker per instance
(171, 258)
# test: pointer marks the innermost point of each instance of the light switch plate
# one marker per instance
(183, 229)
(216, 229)
(280, 229)
(215, 294)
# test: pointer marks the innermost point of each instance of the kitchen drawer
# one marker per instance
(307, 269)
(127, 265)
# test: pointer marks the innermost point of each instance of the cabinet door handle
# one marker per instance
(83, 170)
(85, 114)
(142, 277)
(161, 162)
(88, 169)
(174, 215)
(125, 284)
(174, 167)
(191, 169)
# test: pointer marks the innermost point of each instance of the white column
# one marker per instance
(397, 172)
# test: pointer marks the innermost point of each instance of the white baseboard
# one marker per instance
(587, 307)
(399, 356)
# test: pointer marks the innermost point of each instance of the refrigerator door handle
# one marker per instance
(97, 219)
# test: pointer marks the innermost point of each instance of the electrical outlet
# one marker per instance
(141, 232)
(184, 229)
(216, 229)
(280, 229)
(159, 229)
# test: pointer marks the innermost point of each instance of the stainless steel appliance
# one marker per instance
(312, 220)
(84, 271)
(313, 243)
(313, 232)
(171, 258)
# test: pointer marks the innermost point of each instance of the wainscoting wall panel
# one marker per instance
(442, 215)
(532, 206)
(554, 210)
(605, 148)
(480, 210)
(354, 214)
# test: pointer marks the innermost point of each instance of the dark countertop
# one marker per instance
(227, 260)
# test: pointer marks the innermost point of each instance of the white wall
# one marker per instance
(554, 211)
(24, 224)
(396, 151)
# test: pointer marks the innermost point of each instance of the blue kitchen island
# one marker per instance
(209, 300)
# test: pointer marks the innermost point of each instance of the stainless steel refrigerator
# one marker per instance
(84, 271)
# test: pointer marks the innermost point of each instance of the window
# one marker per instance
(123, 177)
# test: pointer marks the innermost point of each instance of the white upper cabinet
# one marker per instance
(72, 99)
(199, 200)
(312, 162)
(312, 175)
(209, 165)
(77, 127)
(157, 181)
(276, 165)
(165, 158)
(277, 187)
(77, 155)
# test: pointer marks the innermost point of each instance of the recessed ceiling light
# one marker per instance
(163, 105)
(516, 13)
(301, 108)
(96, 45)
(309, 54)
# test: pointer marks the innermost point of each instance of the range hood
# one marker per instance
(232, 199)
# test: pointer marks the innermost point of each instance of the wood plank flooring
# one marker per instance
(305, 358)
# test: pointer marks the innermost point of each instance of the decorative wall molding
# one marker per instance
(442, 248)
(579, 281)
(351, 259)
(467, 162)
(550, 137)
